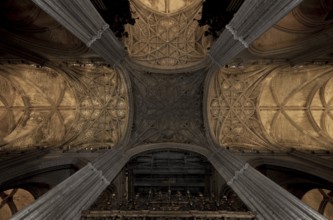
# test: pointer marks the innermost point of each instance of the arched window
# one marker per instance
(13, 200)
(320, 200)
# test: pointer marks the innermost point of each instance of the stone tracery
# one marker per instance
(93, 126)
(104, 108)
(270, 108)
(171, 41)
(299, 113)
(168, 108)
(37, 101)
(232, 100)
(40, 102)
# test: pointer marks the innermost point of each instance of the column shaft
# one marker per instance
(251, 20)
(260, 194)
(78, 192)
(82, 19)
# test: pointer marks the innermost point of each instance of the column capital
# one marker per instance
(236, 37)
(100, 173)
(260, 194)
(237, 173)
(98, 34)
(77, 192)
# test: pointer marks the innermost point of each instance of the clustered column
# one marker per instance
(78, 192)
(82, 19)
(252, 19)
(260, 194)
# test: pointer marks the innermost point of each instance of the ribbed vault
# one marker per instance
(268, 107)
(44, 107)
(159, 74)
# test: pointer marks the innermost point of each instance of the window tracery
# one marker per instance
(320, 200)
(13, 200)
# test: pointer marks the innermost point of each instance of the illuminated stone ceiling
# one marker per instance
(272, 108)
(275, 95)
(44, 107)
(166, 34)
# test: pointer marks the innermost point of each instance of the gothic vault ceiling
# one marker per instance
(44, 107)
(274, 95)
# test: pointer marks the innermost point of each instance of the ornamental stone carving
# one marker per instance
(37, 107)
(44, 107)
(295, 107)
(272, 108)
(232, 100)
(168, 108)
(169, 39)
